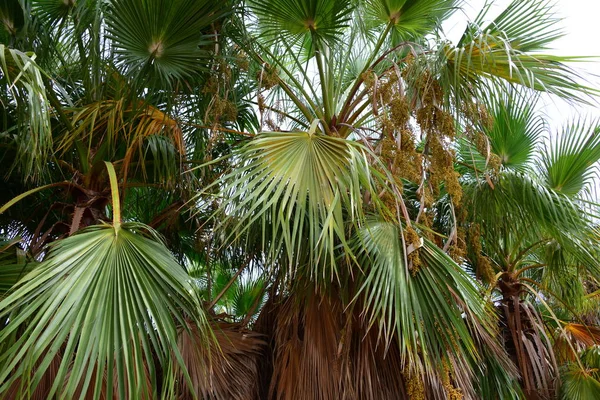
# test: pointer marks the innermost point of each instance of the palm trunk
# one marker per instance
(527, 343)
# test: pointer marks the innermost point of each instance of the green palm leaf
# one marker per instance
(508, 49)
(11, 15)
(515, 131)
(248, 297)
(297, 20)
(10, 274)
(13, 265)
(522, 218)
(570, 162)
(525, 201)
(410, 18)
(421, 303)
(23, 83)
(110, 300)
(302, 188)
(53, 11)
(579, 384)
(528, 25)
(512, 136)
(163, 38)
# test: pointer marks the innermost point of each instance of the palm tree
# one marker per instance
(343, 191)
(262, 200)
(90, 131)
(529, 232)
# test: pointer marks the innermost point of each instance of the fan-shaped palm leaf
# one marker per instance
(531, 25)
(506, 49)
(410, 18)
(579, 384)
(512, 136)
(163, 38)
(297, 20)
(109, 299)
(569, 163)
(515, 131)
(52, 11)
(13, 265)
(248, 298)
(518, 194)
(303, 188)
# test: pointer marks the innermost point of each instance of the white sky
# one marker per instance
(582, 38)
(581, 32)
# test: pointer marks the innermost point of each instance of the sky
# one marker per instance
(581, 38)
(581, 32)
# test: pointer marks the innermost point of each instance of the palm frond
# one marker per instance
(515, 194)
(528, 25)
(163, 40)
(13, 264)
(138, 134)
(570, 163)
(410, 18)
(299, 20)
(515, 131)
(302, 189)
(108, 301)
(512, 133)
(508, 49)
(248, 298)
(579, 384)
(418, 299)
(52, 11)
(25, 89)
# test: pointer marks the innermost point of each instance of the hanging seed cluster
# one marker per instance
(415, 389)
(241, 61)
(268, 77)
(483, 265)
(398, 146)
(457, 250)
(417, 134)
(477, 120)
(433, 166)
(439, 130)
(220, 108)
(452, 392)
(412, 238)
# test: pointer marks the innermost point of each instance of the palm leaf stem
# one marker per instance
(297, 85)
(282, 113)
(228, 285)
(526, 250)
(527, 268)
(351, 101)
(303, 70)
(116, 203)
(325, 92)
(20, 197)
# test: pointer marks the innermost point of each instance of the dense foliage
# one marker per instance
(293, 199)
